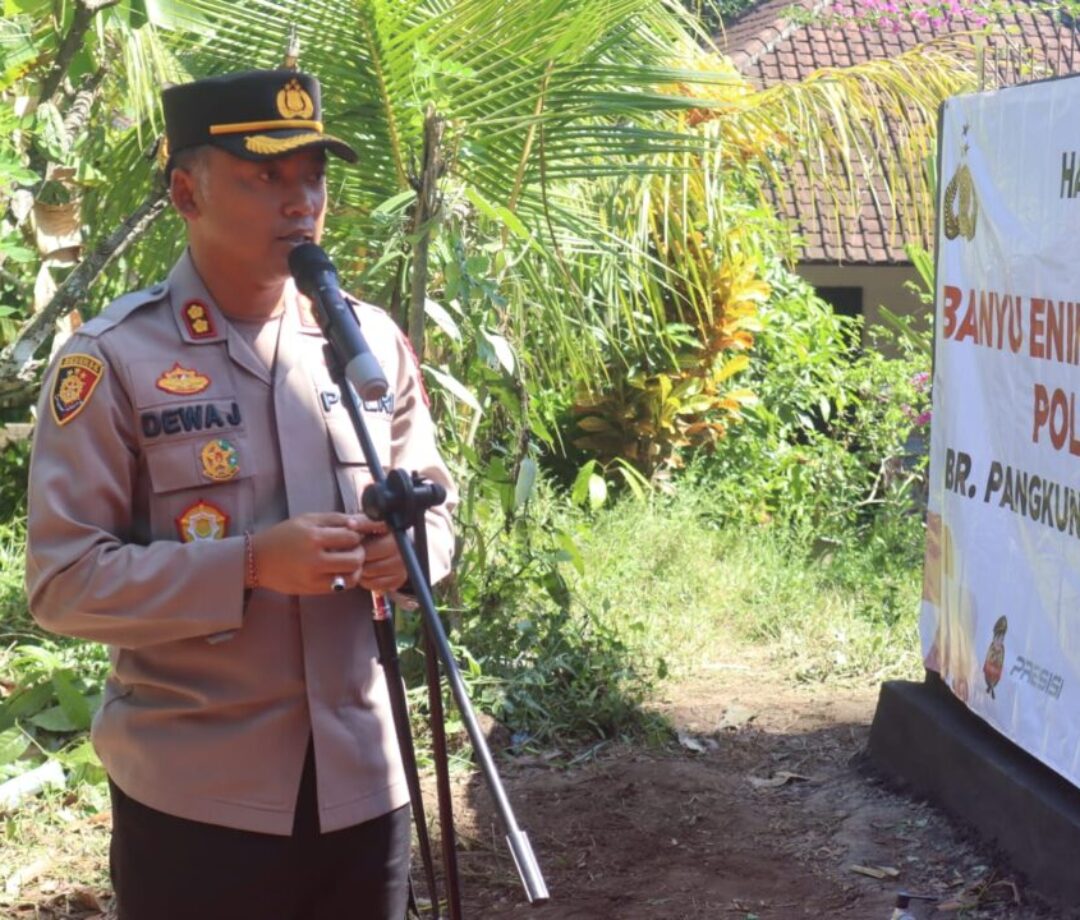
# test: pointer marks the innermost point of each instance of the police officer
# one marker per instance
(194, 492)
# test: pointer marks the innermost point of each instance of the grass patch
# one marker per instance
(681, 588)
(666, 591)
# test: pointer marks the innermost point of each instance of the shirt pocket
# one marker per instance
(200, 488)
(350, 464)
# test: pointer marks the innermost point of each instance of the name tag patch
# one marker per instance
(192, 417)
(76, 378)
(202, 521)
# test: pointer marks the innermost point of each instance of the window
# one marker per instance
(846, 301)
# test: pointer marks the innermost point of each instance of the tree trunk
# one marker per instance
(427, 209)
(17, 367)
(85, 11)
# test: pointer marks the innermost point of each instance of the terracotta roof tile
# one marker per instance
(768, 48)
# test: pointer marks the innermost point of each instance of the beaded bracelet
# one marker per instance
(249, 558)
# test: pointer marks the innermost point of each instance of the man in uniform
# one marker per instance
(194, 494)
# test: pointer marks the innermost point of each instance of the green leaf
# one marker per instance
(526, 482)
(570, 548)
(579, 492)
(512, 222)
(442, 318)
(25, 702)
(55, 720)
(13, 171)
(13, 743)
(455, 387)
(75, 705)
(395, 204)
(503, 352)
(178, 16)
(637, 483)
(17, 253)
(597, 491)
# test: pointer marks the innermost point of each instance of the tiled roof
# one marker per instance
(768, 49)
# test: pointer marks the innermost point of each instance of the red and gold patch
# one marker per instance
(202, 521)
(200, 323)
(74, 383)
(220, 460)
(184, 381)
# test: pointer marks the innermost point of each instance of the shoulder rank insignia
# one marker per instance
(75, 380)
(202, 521)
(200, 324)
(184, 381)
(220, 461)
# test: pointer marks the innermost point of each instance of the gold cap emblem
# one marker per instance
(294, 102)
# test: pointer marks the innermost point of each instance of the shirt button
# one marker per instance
(157, 290)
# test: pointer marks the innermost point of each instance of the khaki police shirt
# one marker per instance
(161, 438)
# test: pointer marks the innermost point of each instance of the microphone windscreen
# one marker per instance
(305, 262)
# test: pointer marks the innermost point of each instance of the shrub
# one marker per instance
(837, 437)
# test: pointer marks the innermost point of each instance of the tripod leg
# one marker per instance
(442, 777)
(438, 744)
(388, 658)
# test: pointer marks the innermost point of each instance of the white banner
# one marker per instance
(1001, 594)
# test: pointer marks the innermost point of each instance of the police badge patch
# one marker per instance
(220, 461)
(75, 380)
(183, 381)
(202, 521)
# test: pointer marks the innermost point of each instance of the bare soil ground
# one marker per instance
(764, 810)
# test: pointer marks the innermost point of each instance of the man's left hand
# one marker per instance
(384, 569)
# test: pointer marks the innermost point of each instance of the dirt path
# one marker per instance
(762, 812)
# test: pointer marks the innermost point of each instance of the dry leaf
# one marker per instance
(878, 872)
(735, 717)
(780, 778)
(26, 874)
(697, 744)
(84, 899)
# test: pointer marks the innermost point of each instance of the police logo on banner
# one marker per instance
(76, 378)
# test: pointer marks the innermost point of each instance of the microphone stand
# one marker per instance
(402, 500)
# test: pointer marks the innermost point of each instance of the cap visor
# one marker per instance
(270, 144)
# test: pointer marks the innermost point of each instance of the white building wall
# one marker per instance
(882, 285)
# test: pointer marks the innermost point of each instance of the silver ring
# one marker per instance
(338, 582)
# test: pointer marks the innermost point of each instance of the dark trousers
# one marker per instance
(169, 868)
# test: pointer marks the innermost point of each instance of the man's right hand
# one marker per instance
(303, 554)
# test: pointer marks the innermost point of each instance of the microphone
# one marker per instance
(317, 279)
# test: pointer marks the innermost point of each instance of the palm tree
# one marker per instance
(542, 109)
(75, 90)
